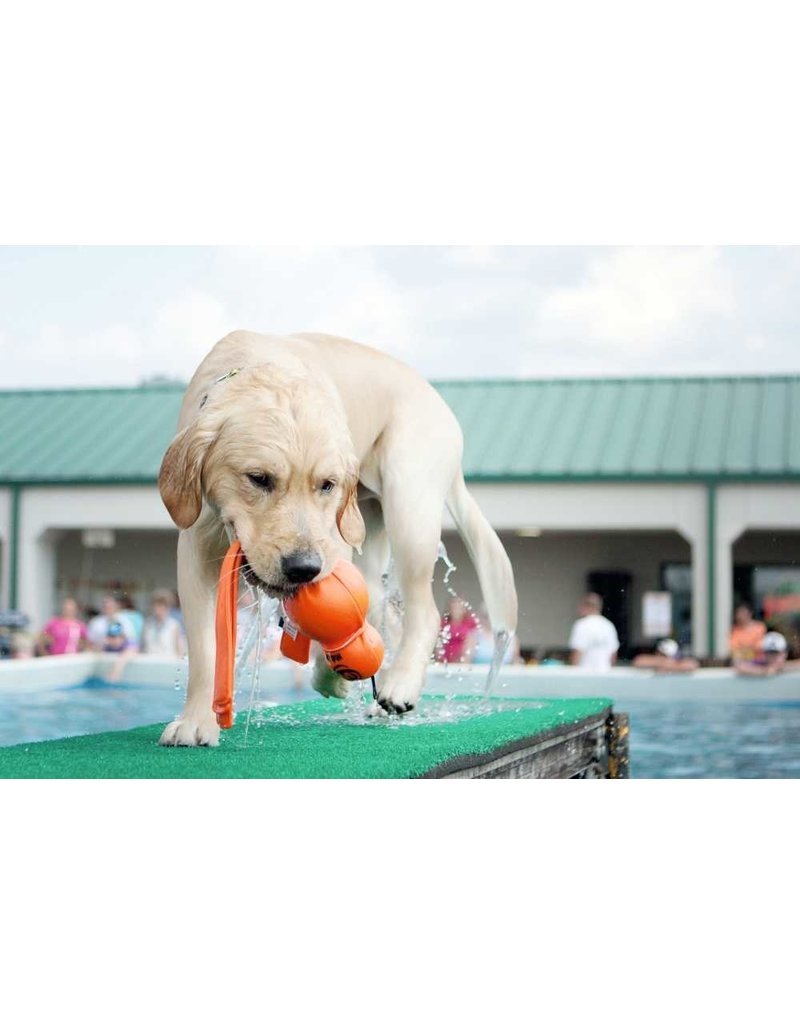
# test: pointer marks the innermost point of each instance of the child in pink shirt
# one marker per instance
(65, 634)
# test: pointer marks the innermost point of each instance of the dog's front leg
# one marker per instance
(198, 566)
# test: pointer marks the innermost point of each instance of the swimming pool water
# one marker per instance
(97, 707)
(714, 740)
(670, 739)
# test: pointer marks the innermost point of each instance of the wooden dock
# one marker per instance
(594, 748)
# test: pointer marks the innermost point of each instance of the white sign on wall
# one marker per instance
(98, 538)
(656, 614)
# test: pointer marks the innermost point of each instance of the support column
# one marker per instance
(711, 559)
(724, 584)
(5, 547)
(700, 630)
(37, 583)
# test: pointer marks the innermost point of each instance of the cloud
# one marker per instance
(336, 290)
(183, 331)
(473, 256)
(477, 311)
(639, 299)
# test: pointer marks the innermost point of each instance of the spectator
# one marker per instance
(11, 622)
(593, 641)
(23, 644)
(129, 611)
(162, 633)
(458, 625)
(481, 645)
(769, 660)
(117, 642)
(667, 657)
(175, 610)
(64, 634)
(98, 627)
(746, 635)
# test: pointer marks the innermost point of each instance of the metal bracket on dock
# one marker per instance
(617, 735)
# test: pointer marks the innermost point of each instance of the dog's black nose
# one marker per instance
(301, 567)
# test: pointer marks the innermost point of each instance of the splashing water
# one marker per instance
(452, 670)
(391, 613)
(454, 707)
(442, 556)
(432, 711)
(502, 639)
(264, 617)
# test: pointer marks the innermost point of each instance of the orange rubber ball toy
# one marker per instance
(333, 612)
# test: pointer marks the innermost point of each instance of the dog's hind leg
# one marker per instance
(198, 568)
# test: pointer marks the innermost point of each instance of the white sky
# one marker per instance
(72, 316)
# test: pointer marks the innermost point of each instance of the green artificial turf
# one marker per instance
(308, 740)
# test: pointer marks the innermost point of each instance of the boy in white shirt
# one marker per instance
(162, 633)
(593, 641)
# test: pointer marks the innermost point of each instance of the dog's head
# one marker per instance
(272, 453)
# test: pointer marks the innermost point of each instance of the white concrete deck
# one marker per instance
(620, 684)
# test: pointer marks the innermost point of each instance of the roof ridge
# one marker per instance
(443, 381)
(633, 379)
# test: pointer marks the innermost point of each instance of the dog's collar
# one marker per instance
(219, 380)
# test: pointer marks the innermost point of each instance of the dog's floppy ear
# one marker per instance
(179, 479)
(348, 518)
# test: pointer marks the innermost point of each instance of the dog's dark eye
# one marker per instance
(265, 481)
(328, 486)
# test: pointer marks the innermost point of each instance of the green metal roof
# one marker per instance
(629, 429)
(626, 429)
(83, 436)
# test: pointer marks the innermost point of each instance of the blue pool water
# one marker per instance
(670, 739)
(96, 707)
(714, 740)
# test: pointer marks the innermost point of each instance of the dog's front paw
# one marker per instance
(191, 731)
(398, 692)
(328, 683)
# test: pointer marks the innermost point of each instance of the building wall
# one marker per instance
(46, 514)
(550, 574)
(550, 571)
(768, 547)
(613, 507)
(586, 526)
(140, 562)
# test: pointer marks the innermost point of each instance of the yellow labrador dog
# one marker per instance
(305, 447)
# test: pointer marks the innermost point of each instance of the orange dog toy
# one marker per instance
(332, 612)
(225, 628)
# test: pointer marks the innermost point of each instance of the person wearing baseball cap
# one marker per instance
(770, 659)
(666, 658)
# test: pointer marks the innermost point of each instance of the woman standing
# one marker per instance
(64, 634)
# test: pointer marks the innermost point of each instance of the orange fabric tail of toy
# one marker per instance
(225, 627)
